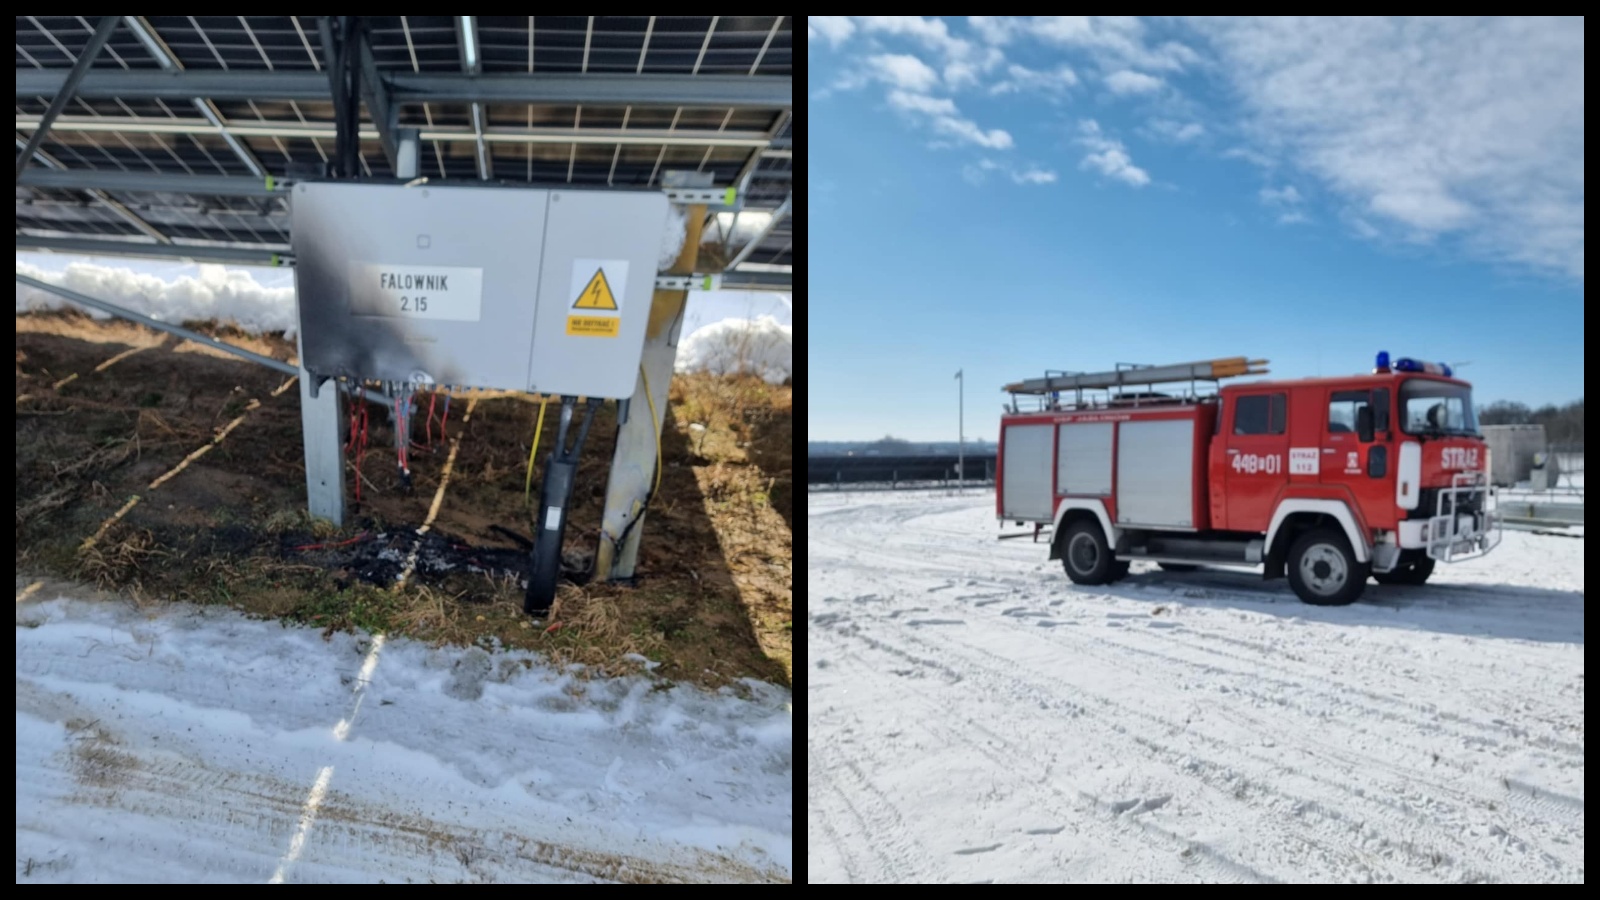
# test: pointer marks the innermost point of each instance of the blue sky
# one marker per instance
(1006, 195)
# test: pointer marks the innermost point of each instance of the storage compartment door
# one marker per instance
(1028, 467)
(1155, 474)
(1083, 464)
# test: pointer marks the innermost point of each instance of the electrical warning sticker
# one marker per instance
(593, 326)
(598, 286)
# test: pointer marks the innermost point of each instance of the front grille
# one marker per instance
(1427, 504)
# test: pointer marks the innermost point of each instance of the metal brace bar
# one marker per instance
(102, 31)
(688, 282)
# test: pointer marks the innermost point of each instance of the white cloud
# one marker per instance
(922, 103)
(977, 173)
(1114, 41)
(835, 29)
(1129, 82)
(1034, 176)
(1021, 79)
(943, 116)
(1292, 218)
(1284, 196)
(1108, 156)
(1462, 127)
(967, 130)
(903, 71)
(1179, 132)
(994, 29)
(963, 62)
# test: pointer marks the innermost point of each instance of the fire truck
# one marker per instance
(1325, 480)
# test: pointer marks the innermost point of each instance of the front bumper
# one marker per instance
(1463, 524)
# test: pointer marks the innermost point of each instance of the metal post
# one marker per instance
(633, 464)
(961, 430)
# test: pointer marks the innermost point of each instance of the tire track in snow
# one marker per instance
(1334, 827)
(1553, 821)
(1212, 864)
(1384, 783)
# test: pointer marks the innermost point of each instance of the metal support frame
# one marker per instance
(642, 89)
(777, 216)
(628, 492)
(344, 87)
(757, 281)
(169, 62)
(471, 64)
(64, 94)
(680, 137)
(122, 212)
(385, 113)
(250, 256)
(207, 185)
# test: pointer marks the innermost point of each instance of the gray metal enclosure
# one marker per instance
(511, 288)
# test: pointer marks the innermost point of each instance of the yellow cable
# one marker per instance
(527, 485)
(656, 422)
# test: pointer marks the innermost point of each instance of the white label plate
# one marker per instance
(1304, 461)
(451, 293)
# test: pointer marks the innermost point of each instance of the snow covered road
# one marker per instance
(195, 745)
(975, 717)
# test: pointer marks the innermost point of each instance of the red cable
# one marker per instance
(361, 445)
(432, 399)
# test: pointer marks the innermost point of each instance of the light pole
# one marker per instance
(961, 431)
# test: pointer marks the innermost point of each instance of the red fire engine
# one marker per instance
(1326, 480)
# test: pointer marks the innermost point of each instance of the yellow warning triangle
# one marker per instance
(596, 294)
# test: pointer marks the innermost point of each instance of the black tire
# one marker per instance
(1407, 573)
(1177, 567)
(1085, 556)
(1119, 569)
(1323, 570)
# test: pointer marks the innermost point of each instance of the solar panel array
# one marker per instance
(277, 126)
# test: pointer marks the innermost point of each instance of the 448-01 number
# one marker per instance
(413, 304)
(1252, 464)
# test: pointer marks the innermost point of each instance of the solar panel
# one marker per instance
(619, 101)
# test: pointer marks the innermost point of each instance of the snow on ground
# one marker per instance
(197, 745)
(974, 717)
(762, 345)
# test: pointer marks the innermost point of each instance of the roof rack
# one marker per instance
(1127, 375)
(1206, 370)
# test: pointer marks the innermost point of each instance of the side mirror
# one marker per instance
(1364, 424)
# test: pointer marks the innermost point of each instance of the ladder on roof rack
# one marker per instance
(1206, 370)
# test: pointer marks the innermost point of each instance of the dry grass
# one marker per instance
(120, 557)
(713, 598)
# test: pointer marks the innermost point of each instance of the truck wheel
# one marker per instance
(1119, 569)
(1323, 570)
(1408, 573)
(1177, 567)
(1085, 555)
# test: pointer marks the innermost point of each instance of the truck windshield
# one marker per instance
(1433, 407)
